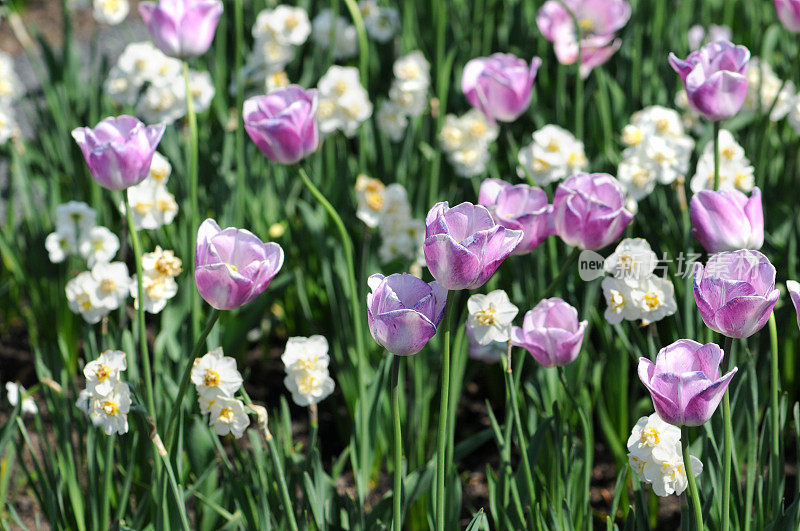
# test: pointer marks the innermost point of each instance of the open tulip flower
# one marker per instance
(464, 246)
(519, 207)
(403, 312)
(714, 77)
(589, 210)
(499, 85)
(789, 14)
(726, 220)
(182, 28)
(551, 333)
(735, 292)
(119, 150)
(283, 123)
(232, 266)
(684, 382)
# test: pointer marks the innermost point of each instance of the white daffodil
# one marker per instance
(151, 204)
(98, 245)
(11, 88)
(735, 170)
(102, 374)
(306, 354)
(113, 284)
(162, 101)
(160, 169)
(308, 387)
(343, 102)
(111, 12)
(110, 412)
(82, 298)
(391, 120)
(619, 300)
(411, 102)
(216, 375)
(61, 244)
(202, 90)
(13, 393)
(227, 415)
(324, 26)
(8, 125)
(632, 260)
(76, 215)
(381, 23)
(553, 155)
(288, 25)
(490, 316)
(655, 298)
(638, 176)
(159, 269)
(370, 198)
(775, 94)
(412, 72)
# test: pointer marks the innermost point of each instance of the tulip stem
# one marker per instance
(716, 155)
(579, 90)
(191, 167)
(397, 495)
(523, 447)
(143, 349)
(187, 373)
(347, 245)
(241, 176)
(693, 491)
(443, 409)
(774, 385)
(573, 256)
(728, 445)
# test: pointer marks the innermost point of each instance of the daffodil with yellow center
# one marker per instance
(110, 408)
(650, 436)
(487, 316)
(103, 372)
(225, 415)
(652, 301)
(617, 301)
(211, 378)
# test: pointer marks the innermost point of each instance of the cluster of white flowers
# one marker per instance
(656, 455)
(343, 101)
(735, 170)
(633, 291)
(775, 94)
(276, 33)
(554, 154)
(306, 361)
(658, 151)
(380, 22)
(110, 12)
(466, 141)
(159, 270)
(490, 317)
(151, 203)
(408, 95)
(146, 78)
(216, 379)
(345, 38)
(106, 399)
(387, 208)
(13, 393)
(11, 90)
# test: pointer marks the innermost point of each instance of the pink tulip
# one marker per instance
(182, 28)
(499, 85)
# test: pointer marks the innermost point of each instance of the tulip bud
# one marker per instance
(499, 85)
(551, 333)
(726, 220)
(182, 28)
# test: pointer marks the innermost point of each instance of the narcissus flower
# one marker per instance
(227, 415)
(404, 311)
(490, 316)
(551, 333)
(519, 207)
(685, 382)
(589, 210)
(216, 375)
(726, 220)
(119, 150)
(714, 77)
(103, 373)
(464, 246)
(283, 123)
(499, 85)
(110, 411)
(14, 392)
(306, 362)
(735, 292)
(232, 266)
(182, 28)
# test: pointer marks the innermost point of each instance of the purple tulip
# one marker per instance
(283, 123)
(232, 266)
(182, 28)
(794, 293)
(519, 207)
(735, 292)
(403, 312)
(119, 150)
(726, 220)
(499, 85)
(714, 77)
(598, 21)
(551, 333)
(684, 382)
(464, 246)
(789, 14)
(589, 210)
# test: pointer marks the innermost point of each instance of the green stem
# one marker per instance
(523, 447)
(579, 92)
(105, 521)
(191, 166)
(588, 439)
(363, 43)
(397, 495)
(241, 175)
(443, 408)
(693, 492)
(357, 316)
(716, 155)
(774, 385)
(728, 445)
(573, 256)
(276, 462)
(187, 374)
(143, 349)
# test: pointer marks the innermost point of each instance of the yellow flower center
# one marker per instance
(307, 384)
(669, 470)
(211, 378)
(291, 22)
(340, 87)
(540, 165)
(487, 316)
(477, 129)
(617, 301)
(5, 87)
(576, 159)
(159, 174)
(167, 264)
(110, 408)
(142, 207)
(280, 79)
(375, 201)
(650, 436)
(640, 177)
(107, 285)
(631, 135)
(728, 152)
(552, 145)
(308, 363)
(225, 415)
(409, 71)
(111, 5)
(586, 24)
(102, 372)
(662, 124)
(141, 64)
(651, 301)
(452, 136)
(325, 109)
